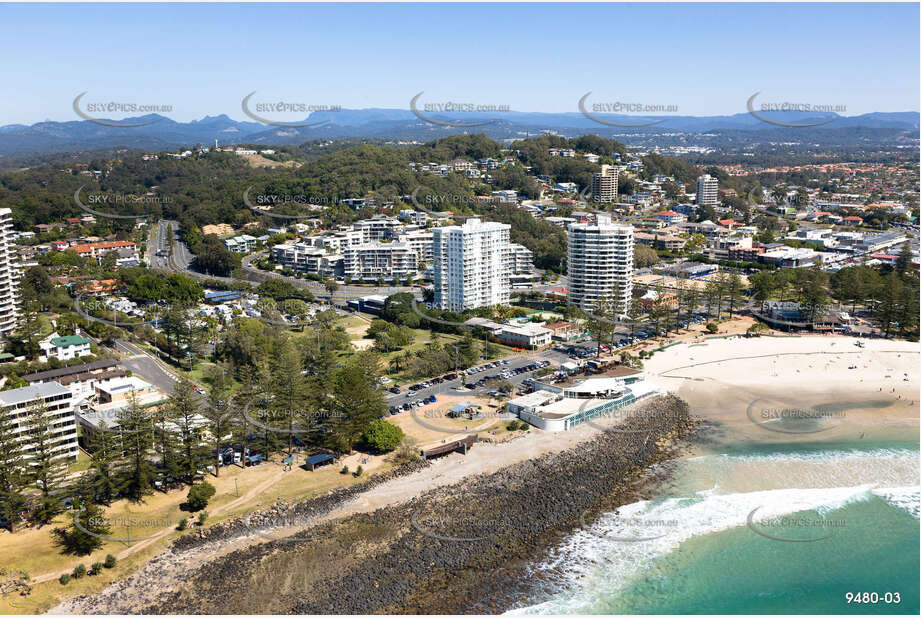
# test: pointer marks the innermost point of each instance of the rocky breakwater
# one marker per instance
(456, 549)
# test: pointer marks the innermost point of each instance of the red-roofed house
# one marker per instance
(670, 216)
(730, 223)
(853, 220)
(98, 249)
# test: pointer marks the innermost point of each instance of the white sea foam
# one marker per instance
(596, 562)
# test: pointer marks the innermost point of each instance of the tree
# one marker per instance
(903, 262)
(45, 469)
(86, 538)
(218, 411)
(331, 287)
(12, 478)
(602, 321)
(289, 392)
(214, 258)
(382, 436)
(735, 289)
(643, 256)
(105, 454)
(135, 429)
(199, 495)
(184, 413)
(356, 402)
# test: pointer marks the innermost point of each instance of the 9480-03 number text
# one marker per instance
(890, 598)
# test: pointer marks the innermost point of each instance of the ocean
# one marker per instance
(754, 524)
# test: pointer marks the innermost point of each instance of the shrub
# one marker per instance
(712, 327)
(359, 471)
(64, 579)
(345, 470)
(382, 436)
(199, 495)
(110, 561)
(78, 572)
(183, 523)
(407, 452)
(511, 425)
(96, 569)
(202, 517)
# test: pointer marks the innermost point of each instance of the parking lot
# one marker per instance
(479, 380)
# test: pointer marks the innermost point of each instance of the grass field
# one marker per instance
(238, 491)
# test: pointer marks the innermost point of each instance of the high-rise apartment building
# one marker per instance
(707, 190)
(9, 276)
(471, 265)
(600, 258)
(19, 408)
(604, 185)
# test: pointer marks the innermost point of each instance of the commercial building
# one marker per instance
(600, 261)
(559, 407)
(604, 185)
(20, 406)
(379, 260)
(471, 265)
(707, 190)
(9, 276)
(528, 335)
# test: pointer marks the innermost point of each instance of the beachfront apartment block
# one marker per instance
(380, 260)
(20, 409)
(600, 264)
(9, 275)
(471, 265)
(604, 185)
(707, 190)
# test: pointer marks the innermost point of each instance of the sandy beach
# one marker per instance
(871, 389)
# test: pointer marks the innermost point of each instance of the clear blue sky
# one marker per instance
(705, 58)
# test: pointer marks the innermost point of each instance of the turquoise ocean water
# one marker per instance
(753, 527)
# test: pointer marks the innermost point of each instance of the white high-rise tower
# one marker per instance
(600, 259)
(472, 266)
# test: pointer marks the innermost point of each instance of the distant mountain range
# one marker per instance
(161, 133)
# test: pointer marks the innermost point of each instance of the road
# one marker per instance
(142, 363)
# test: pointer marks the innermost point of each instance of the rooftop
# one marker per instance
(31, 393)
